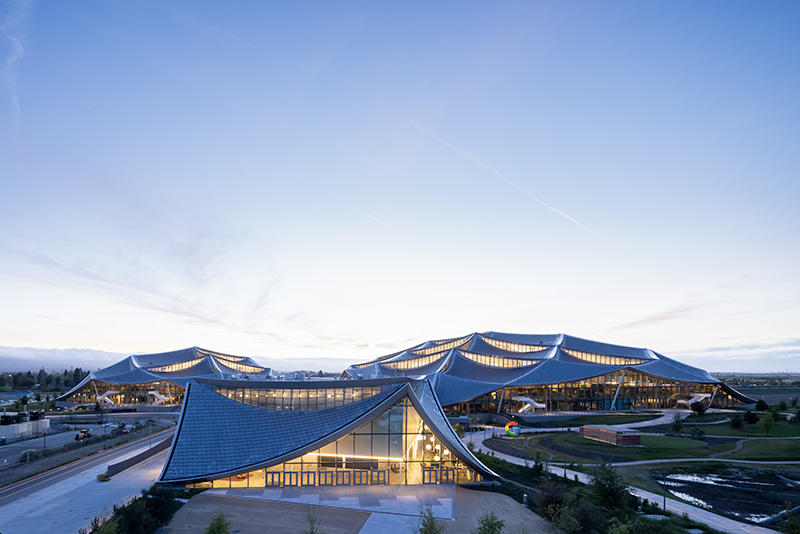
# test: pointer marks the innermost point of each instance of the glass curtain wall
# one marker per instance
(124, 394)
(638, 391)
(396, 447)
(298, 399)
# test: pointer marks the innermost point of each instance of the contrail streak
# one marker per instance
(9, 26)
(497, 174)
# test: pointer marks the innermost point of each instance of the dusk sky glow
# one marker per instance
(346, 180)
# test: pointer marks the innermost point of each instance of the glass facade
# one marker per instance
(124, 394)
(636, 391)
(415, 363)
(513, 347)
(497, 361)
(396, 447)
(605, 359)
(241, 367)
(298, 399)
(220, 355)
(439, 347)
(180, 366)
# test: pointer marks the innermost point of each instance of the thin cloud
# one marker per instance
(373, 217)
(469, 156)
(10, 26)
(657, 317)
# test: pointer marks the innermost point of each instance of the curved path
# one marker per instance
(698, 514)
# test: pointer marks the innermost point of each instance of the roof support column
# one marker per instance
(714, 394)
(500, 404)
(614, 402)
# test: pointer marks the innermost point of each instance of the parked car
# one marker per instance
(3, 440)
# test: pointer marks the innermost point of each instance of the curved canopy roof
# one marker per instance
(178, 367)
(283, 435)
(483, 362)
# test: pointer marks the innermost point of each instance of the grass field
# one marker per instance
(602, 419)
(570, 447)
(768, 449)
(781, 429)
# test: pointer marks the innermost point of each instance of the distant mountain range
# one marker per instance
(13, 359)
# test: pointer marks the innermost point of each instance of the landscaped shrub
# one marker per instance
(427, 522)
(489, 524)
(699, 408)
(609, 488)
(762, 405)
(750, 417)
(219, 525)
(736, 422)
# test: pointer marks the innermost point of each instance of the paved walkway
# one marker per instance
(361, 509)
(71, 503)
(698, 514)
(402, 500)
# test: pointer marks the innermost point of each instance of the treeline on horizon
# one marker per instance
(46, 381)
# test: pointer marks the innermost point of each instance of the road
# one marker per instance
(11, 453)
(23, 488)
(66, 499)
(698, 514)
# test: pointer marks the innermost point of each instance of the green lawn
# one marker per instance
(768, 449)
(781, 429)
(570, 447)
(602, 419)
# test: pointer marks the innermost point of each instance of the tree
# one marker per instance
(677, 423)
(794, 402)
(219, 525)
(24, 401)
(736, 421)
(489, 523)
(750, 417)
(762, 405)
(768, 421)
(427, 524)
(609, 489)
(699, 408)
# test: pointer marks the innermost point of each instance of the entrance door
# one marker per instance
(274, 479)
(447, 476)
(326, 478)
(343, 478)
(308, 478)
(378, 478)
(430, 476)
(360, 477)
(290, 478)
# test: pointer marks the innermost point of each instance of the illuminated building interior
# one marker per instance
(493, 372)
(156, 379)
(396, 447)
(392, 432)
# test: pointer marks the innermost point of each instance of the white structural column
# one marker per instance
(614, 402)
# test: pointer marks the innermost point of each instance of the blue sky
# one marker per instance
(344, 179)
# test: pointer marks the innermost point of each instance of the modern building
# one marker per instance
(249, 433)
(157, 379)
(520, 373)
